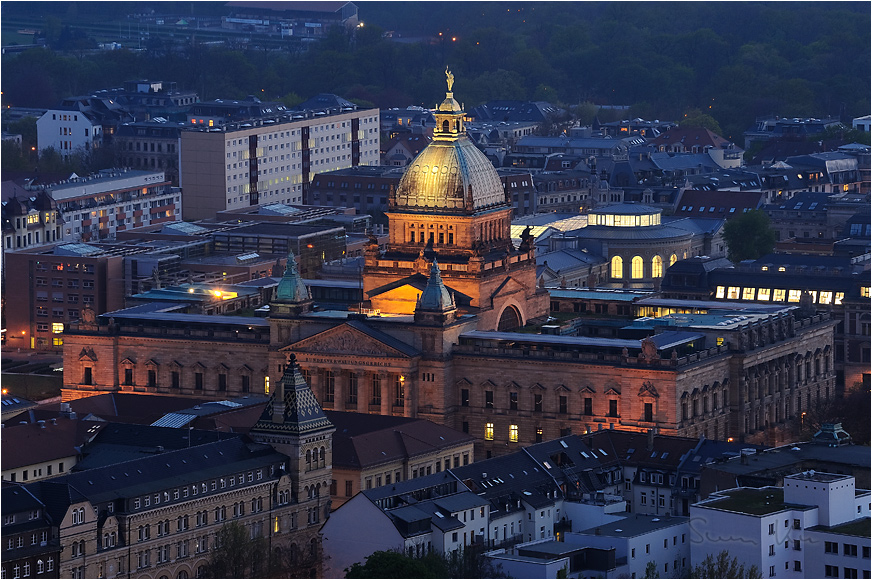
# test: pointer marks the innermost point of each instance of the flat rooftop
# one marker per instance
(818, 476)
(633, 526)
(861, 528)
(748, 500)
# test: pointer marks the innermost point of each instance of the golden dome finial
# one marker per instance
(450, 78)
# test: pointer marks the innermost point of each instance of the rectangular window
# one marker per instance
(763, 294)
(720, 292)
(588, 406)
(489, 431)
(513, 401)
(613, 408)
(794, 295)
(464, 397)
(649, 412)
(537, 403)
(564, 404)
(733, 293)
(198, 381)
(488, 399)
(222, 382)
(128, 376)
(513, 433)
(778, 295)
(748, 293)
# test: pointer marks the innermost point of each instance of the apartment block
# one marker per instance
(268, 160)
(98, 206)
(779, 529)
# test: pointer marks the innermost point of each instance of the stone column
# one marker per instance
(339, 378)
(386, 393)
(362, 392)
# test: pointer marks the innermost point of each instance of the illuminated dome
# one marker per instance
(451, 173)
(444, 174)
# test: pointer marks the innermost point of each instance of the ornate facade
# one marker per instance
(438, 340)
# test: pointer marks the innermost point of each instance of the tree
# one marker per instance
(651, 570)
(389, 564)
(696, 118)
(237, 555)
(749, 236)
(723, 567)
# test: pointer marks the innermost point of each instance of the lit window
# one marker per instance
(794, 295)
(657, 267)
(57, 327)
(839, 296)
(748, 293)
(617, 267)
(779, 295)
(266, 385)
(513, 433)
(733, 293)
(763, 294)
(864, 291)
(719, 293)
(489, 431)
(637, 265)
(782, 269)
(672, 259)
(826, 297)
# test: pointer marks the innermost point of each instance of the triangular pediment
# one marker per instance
(612, 391)
(463, 383)
(562, 388)
(355, 339)
(88, 354)
(128, 361)
(174, 364)
(508, 287)
(151, 363)
(513, 386)
(537, 387)
(488, 385)
(586, 389)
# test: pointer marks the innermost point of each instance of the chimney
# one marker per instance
(41, 424)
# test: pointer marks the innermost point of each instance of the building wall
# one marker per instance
(41, 470)
(67, 131)
(57, 289)
(845, 557)
(218, 165)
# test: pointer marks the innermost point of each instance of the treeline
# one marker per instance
(734, 61)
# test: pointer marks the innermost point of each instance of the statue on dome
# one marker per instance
(450, 77)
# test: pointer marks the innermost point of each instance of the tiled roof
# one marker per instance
(24, 445)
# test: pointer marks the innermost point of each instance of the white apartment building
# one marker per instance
(641, 539)
(98, 206)
(794, 531)
(271, 160)
(68, 130)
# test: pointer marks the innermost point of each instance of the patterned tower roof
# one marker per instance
(293, 409)
(292, 288)
(435, 296)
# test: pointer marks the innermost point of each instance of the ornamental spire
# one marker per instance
(292, 288)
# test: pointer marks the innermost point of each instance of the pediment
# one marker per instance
(463, 383)
(648, 390)
(245, 369)
(513, 386)
(507, 288)
(88, 354)
(562, 388)
(612, 391)
(587, 389)
(537, 387)
(151, 363)
(488, 385)
(128, 361)
(352, 339)
(174, 364)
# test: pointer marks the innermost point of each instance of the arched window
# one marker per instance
(445, 126)
(617, 267)
(656, 267)
(672, 259)
(637, 267)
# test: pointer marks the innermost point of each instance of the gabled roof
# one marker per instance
(33, 443)
(362, 440)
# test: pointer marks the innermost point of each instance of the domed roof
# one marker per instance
(451, 173)
(446, 173)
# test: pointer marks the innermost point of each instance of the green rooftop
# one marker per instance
(758, 502)
(861, 527)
